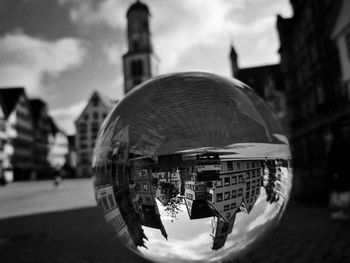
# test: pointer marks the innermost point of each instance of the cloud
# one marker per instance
(181, 27)
(113, 54)
(25, 60)
(90, 12)
(66, 116)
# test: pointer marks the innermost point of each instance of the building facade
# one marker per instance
(139, 61)
(267, 81)
(316, 100)
(58, 147)
(19, 128)
(87, 126)
(341, 36)
(41, 129)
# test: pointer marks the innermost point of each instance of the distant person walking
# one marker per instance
(339, 175)
(58, 177)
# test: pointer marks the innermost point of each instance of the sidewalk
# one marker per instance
(305, 234)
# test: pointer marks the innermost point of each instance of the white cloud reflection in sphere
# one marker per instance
(191, 167)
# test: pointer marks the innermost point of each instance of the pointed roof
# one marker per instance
(137, 6)
(233, 52)
(9, 98)
(107, 102)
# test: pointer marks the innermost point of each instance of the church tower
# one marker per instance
(138, 60)
(234, 62)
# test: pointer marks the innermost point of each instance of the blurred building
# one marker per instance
(140, 62)
(107, 203)
(87, 126)
(6, 173)
(19, 129)
(41, 129)
(341, 35)
(71, 163)
(58, 147)
(267, 81)
(317, 101)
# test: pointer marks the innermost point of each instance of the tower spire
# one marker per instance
(138, 59)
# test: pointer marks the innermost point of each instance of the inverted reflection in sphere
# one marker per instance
(191, 167)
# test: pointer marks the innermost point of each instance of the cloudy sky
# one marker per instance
(63, 50)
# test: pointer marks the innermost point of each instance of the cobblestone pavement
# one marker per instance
(305, 234)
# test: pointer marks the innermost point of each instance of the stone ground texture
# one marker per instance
(306, 233)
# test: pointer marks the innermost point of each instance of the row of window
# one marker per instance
(253, 184)
(107, 202)
(95, 115)
(83, 127)
(117, 222)
(232, 180)
(232, 206)
(227, 195)
(242, 165)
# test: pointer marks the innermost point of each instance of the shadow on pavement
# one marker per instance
(305, 234)
(79, 235)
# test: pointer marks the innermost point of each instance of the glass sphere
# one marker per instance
(191, 167)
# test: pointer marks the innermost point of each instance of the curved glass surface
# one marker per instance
(191, 167)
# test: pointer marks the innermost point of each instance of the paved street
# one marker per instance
(40, 223)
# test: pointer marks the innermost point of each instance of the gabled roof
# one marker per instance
(108, 103)
(36, 106)
(9, 98)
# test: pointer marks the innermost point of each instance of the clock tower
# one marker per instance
(137, 61)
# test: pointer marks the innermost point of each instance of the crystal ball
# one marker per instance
(191, 167)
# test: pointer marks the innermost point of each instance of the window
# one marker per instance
(248, 175)
(104, 204)
(234, 193)
(82, 127)
(248, 185)
(210, 197)
(247, 195)
(145, 187)
(240, 192)
(227, 181)
(219, 197)
(148, 199)
(229, 166)
(111, 200)
(136, 68)
(247, 165)
(234, 179)
(227, 195)
(95, 115)
(95, 127)
(226, 207)
(233, 205)
(240, 179)
(86, 117)
(219, 183)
